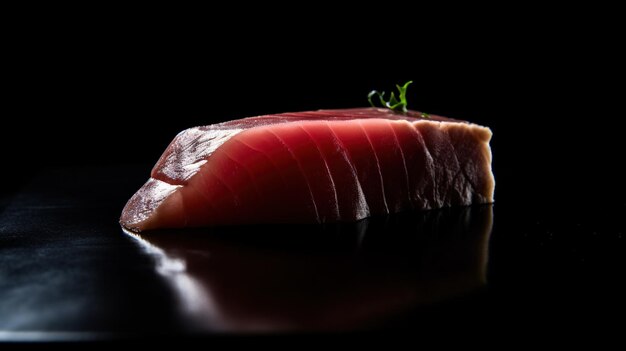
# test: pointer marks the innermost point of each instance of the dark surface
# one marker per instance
(66, 266)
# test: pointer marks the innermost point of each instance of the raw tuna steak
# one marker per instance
(314, 167)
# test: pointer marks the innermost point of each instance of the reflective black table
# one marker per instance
(69, 272)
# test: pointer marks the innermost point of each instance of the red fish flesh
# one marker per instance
(314, 167)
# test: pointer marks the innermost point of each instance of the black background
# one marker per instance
(115, 90)
(93, 89)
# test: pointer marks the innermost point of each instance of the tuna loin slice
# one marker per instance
(314, 167)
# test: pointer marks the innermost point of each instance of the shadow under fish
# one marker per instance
(336, 277)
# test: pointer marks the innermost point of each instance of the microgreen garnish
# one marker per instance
(394, 103)
(425, 115)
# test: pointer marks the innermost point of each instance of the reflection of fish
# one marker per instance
(338, 277)
(314, 167)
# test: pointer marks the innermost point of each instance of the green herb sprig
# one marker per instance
(393, 103)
